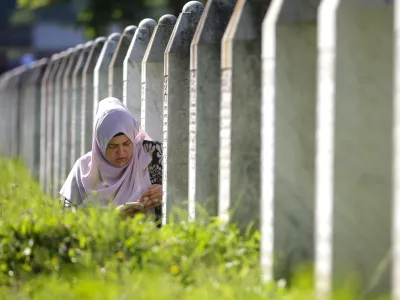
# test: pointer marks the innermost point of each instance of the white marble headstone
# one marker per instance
(132, 69)
(205, 87)
(115, 71)
(153, 78)
(176, 109)
(88, 96)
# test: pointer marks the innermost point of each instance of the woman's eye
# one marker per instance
(127, 143)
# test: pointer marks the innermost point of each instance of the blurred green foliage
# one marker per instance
(96, 15)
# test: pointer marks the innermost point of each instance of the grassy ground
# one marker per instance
(93, 254)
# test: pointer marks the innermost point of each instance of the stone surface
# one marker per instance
(396, 162)
(77, 92)
(59, 107)
(4, 112)
(153, 78)
(205, 86)
(288, 136)
(50, 97)
(100, 82)
(31, 118)
(355, 146)
(23, 101)
(87, 95)
(176, 109)
(43, 121)
(115, 78)
(132, 68)
(239, 165)
(66, 121)
(14, 86)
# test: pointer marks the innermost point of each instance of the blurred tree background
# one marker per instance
(96, 15)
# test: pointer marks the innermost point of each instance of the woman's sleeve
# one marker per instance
(156, 167)
(70, 191)
(155, 170)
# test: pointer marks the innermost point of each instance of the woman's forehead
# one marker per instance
(119, 139)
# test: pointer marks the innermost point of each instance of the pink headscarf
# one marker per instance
(93, 178)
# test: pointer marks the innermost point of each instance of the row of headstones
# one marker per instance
(286, 110)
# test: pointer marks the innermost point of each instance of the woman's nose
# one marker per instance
(119, 149)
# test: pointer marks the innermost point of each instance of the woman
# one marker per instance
(123, 166)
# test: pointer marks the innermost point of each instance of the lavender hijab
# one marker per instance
(93, 178)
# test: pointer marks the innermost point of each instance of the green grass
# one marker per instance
(92, 253)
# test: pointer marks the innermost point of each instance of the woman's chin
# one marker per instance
(121, 163)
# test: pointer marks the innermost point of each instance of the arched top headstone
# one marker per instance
(147, 24)
(185, 28)
(40, 62)
(63, 63)
(193, 7)
(57, 63)
(246, 20)
(244, 25)
(167, 20)
(88, 44)
(114, 37)
(122, 47)
(37, 69)
(72, 61)
(83, 56)
(159, 40)
(213, 22)
(24, 78)
(79, 47)
(94, 54)
(16, 76)
(101, 39)
(49, 69)
(141, 39)
(105, 57)
(130, 30)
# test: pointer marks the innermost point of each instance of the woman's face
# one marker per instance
(119, 151)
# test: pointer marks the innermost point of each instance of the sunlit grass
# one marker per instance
(46, 252)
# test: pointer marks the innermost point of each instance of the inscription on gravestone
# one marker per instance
(153, 78)
(176, 110)
(205, 97)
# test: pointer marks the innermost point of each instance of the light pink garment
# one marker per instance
(93, 178)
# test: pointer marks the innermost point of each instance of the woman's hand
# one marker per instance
(130, 213)
(153, 197)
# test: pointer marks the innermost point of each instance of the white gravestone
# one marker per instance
(153, 78)
(115, 79)
(289, 51)
(205, 86)
(66, 142)
(239, 180)
(176, 109)
(132, 69)
(30, 114)
(354, 166)
(14, 98)
(58, 112)
(43, 121)
(4, 112)
(51, 96)
(77, 102)
(100, 80)
(88, 96)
